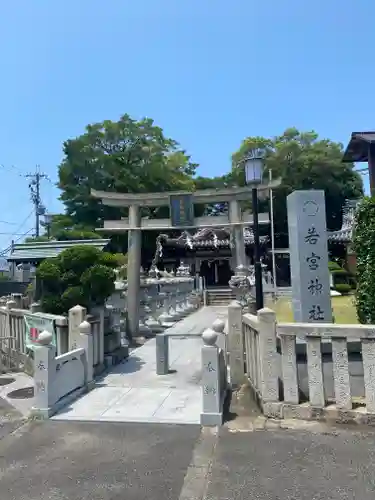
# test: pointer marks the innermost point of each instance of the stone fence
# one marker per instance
(17, 348)
(163, 302)
(304, 370)
(14, 352)
(61, 379)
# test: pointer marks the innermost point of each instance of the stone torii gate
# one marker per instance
(181, 217)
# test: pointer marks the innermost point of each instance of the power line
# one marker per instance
(12, 168)
(9, 223)
(12, 234)
(17, 232)
(22, 224)
(6, 250)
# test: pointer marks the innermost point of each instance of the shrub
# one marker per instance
(79, 258)
(80, 275)
(76, 234)
(364, 246)
(343, 288)
(98, 283)
(333, 266)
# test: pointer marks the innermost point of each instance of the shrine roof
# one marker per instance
(357, 149)
(212, 237)
(345, 234)
(39, 250)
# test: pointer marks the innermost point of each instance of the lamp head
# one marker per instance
(254, 166)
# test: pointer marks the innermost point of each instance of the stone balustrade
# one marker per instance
(322, 379)
(14, 338)
(164, 301)
(61, 379)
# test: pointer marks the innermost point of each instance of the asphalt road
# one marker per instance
(112, 461)
(87, 461)
(10, 419)
(293, 465)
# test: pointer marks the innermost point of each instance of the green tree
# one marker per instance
(80, 275)
(303, 161)
(63, 228)
(124, 156)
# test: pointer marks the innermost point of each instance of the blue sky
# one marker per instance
(209, 72)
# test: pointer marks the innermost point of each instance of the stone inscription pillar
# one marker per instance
(134, 266)
(311, 296)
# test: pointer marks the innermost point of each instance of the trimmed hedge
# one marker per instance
(343, 288)
(364, 246)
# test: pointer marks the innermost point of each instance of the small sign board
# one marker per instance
(182, 210)
(35, 324)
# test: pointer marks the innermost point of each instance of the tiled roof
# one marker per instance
(213, 238)
(35, 251)
(342, 235)
(345, 234)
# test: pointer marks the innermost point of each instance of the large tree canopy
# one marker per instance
(303, 161)
(127, 156)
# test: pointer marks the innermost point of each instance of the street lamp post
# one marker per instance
(254, 174)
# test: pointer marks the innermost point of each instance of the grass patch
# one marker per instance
(343, 309)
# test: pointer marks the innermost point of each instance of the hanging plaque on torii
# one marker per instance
(182, 210)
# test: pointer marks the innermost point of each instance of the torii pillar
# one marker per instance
(134, 266)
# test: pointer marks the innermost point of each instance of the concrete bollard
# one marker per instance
(162, 354)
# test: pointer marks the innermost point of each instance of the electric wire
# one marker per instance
(17, 232)
(6, 250)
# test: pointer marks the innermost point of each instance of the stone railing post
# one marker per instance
(144, 310)
(218, 326)
(167, 317)
(153, 322)
(99, 312)
(35, 307)
(86, 341)
(10, 304)
(76, 315)
(62, 335)
(179, 299)
(17, 297)
(235, 345)
(212, 390)
(269, 360)
(173, 303)
(44, 375)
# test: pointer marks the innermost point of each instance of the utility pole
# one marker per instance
(34, 186)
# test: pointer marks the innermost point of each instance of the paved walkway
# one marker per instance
(132, 392)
